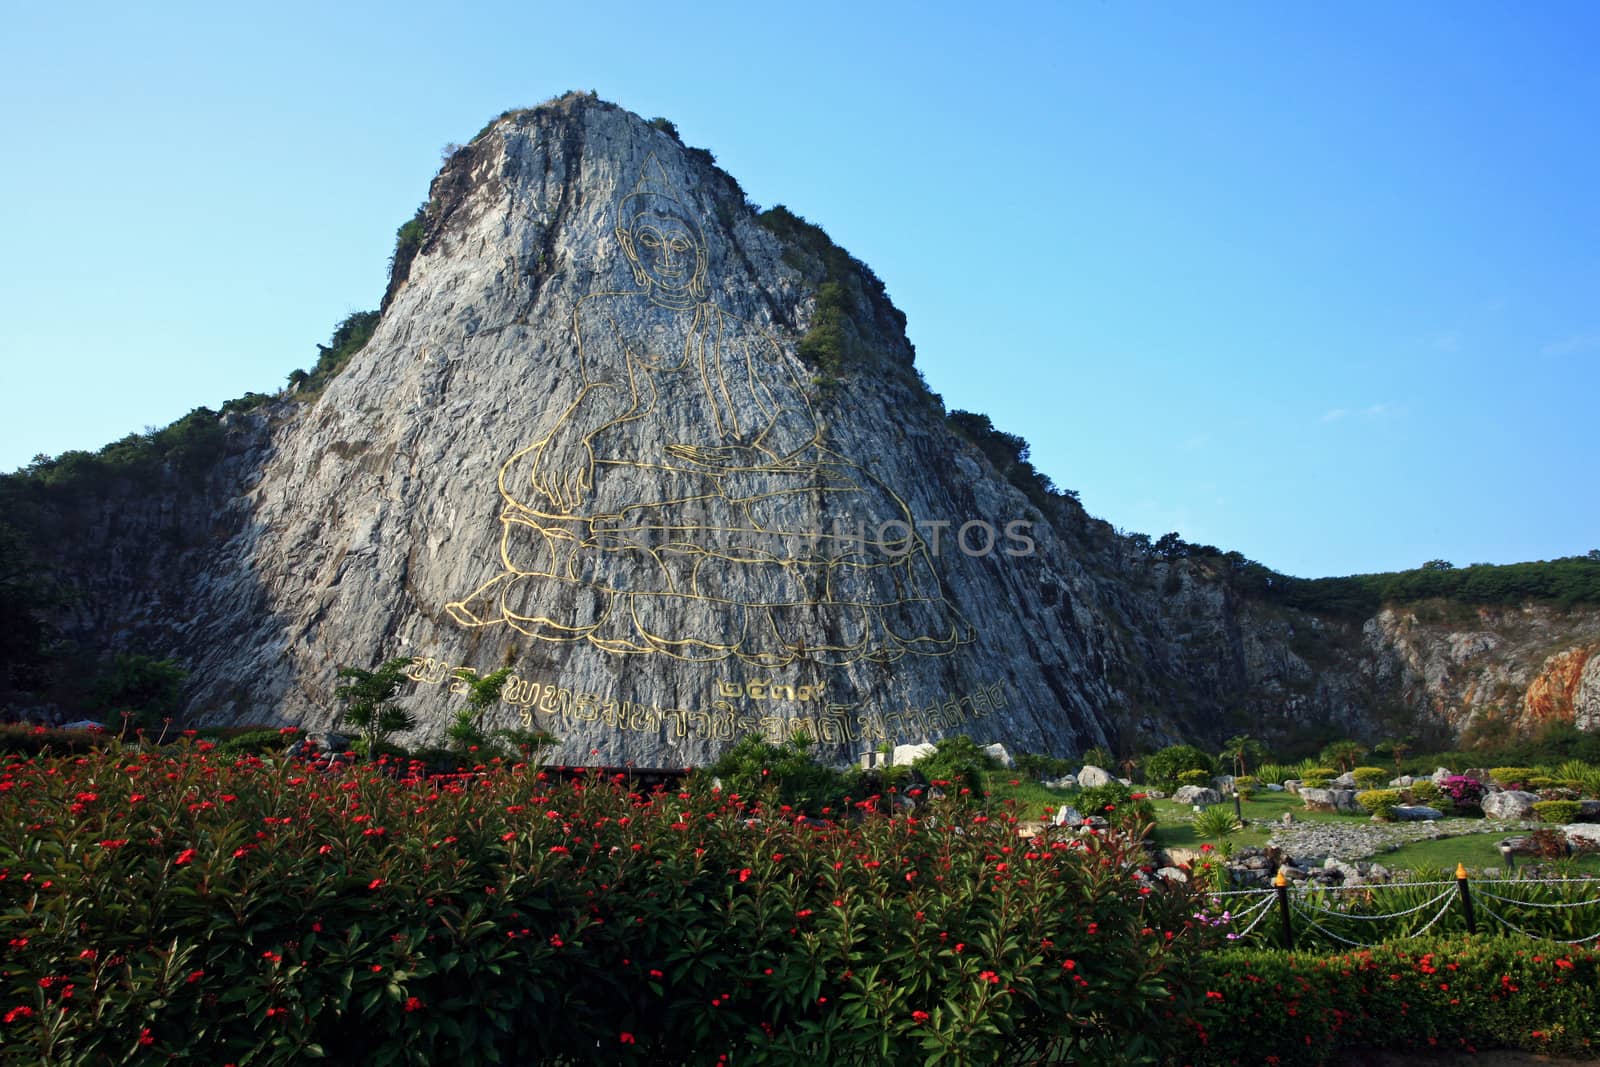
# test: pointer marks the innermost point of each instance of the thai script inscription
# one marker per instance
(562, 709)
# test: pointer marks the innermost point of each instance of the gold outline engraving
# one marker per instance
(676, 507)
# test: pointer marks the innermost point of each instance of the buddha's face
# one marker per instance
(666, 249)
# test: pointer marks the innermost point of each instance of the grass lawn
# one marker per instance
(1477, 851)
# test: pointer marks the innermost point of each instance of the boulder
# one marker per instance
(1405, 781)
(1509, 804)
(1344, 781)
(1331, 800)
(1067, 815)
(1582, 835)
(1292, 785)
(1275, 787)
(1440, 774)
(1155, 794)
(998, 753)
(1222, 783)
(1092, 777)
(1589, 811)
(1416, 813)
(1066, 781)
(1197, 794)
(1172, 874)
(906, 755)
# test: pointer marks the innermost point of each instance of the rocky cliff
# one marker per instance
(668, 459)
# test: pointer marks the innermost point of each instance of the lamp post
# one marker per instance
(1509, 855)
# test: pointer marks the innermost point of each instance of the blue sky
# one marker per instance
(1317, 283)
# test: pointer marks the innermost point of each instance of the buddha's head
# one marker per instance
(661, 240)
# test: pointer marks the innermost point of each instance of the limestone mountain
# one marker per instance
(668, 459)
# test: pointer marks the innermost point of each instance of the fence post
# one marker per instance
(1466, 898)
(1281, 883)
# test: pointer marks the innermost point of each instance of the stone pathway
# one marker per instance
(1359, 840)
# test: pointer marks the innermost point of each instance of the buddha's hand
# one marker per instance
(564, 471)
(723, 457)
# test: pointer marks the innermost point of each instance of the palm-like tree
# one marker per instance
(1241, 750)
(369, 702)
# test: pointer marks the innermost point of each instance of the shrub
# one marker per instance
(1463, 792)
(262, 742)
(1548, 844)
(1319, 772)
(1275, 773)
(1194, 778)
(1040, 767)
(1557, 811)
(1314, 783)
(1118, 805)
(1164, 767)
(1380, 802)
(1461, 993)
(957, 759)
(1244, 785)
(1371, 777)
(1098, 756)
(755, 764)
(1425, 791)
(1506, 777)
(1217, 821)
(517, 918)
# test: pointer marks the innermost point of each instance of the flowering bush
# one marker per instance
(177, 905)
(1462, 994)
(1463, 792)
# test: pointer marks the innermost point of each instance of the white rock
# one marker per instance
(1586, 834)
(1092, 777)
(1066, 781)
(1197, 794)
(906, 755)
(1509, 804)
(1275, 787)
(1000, 755)
(1067, 815)
(1172, 874)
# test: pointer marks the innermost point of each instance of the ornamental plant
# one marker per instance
(1463, 792)
(179, 906)
(1380, 803)
(1164, 767)
(1433, 995)
(1371, 777)
(1557, 811)
(1511, 777)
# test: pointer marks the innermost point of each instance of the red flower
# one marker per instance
(145, 1037)
(744, 874)
(375, 883)
(413, 1004)
(186, 856)
(919, 1016)
(21, 1011)
(990, 977)
(118, 843)
(625, 1037)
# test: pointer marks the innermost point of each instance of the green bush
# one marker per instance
(1557, 811)
(1314, 783)
(1319, 771)
(1118, 805)
(959, 760)
(1038, 766)
(1244, 785)
(1371, 777)
(1431, 994)
(1380, 802)
(1276, 773)
(264, 742)
(1506, 777)
(1217, 821)
(1193, 778)
(1164, 767)
(1425, 791)
(755, 764)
